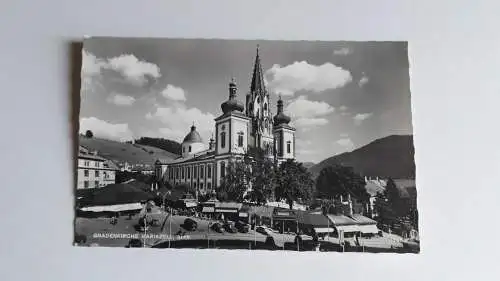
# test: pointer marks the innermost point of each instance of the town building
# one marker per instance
(94, 171)
(238, 128)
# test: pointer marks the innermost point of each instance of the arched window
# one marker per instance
(240, 139)
(189, 172)
(189, 148)
(222, 169)
(223, 139)
(288, 146)
(265, 107)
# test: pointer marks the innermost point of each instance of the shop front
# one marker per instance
(285, 221)
(227, 211)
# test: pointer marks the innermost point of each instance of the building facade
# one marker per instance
(238, 128)
(94, 171)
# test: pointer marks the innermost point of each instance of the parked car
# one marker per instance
(217, 227)
(229, 227)
(242, 227)
(190, 224)
(264, 230)
(411, 244)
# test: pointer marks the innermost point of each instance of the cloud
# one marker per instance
(342, 51)
(344, 135)
(174, 93)
(133, 69)
(345, 142)
(363, 81)
(302, 107)
(91, 70)
(306, 113)
(91, 65)
(105, 130)
(178, 120)
(305, 123)
(302, 76)
(343, 110)
(121, 100)
(360, 117)
(128, 65)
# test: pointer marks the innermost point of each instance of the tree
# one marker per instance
(234, 183)
(261, 175)
(383, 210)
(338, 180)
(89, 134)
(392, 192)
(167, 145)
(293, 182)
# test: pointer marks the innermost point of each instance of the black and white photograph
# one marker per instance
(246, 145)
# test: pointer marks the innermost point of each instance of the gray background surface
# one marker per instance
(455, 63)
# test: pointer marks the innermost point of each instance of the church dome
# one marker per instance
(193, 136)
(232, 104)
(281, 117)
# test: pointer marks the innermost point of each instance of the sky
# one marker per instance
(340, 95)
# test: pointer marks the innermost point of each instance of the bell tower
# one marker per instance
(258, 109)
(284, 135)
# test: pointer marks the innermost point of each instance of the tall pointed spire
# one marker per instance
(257, 84)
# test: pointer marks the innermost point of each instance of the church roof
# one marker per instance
(281, 117)
(257, 84)
(200, 156)
(232, 104)
(193, 136)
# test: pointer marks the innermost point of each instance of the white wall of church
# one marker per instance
(223, 127)
(239, 127)
(195, 148)
(219, 171)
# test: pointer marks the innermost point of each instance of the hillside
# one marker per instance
(308, 165)
(126, 152)
(391, 156)
(161, 143)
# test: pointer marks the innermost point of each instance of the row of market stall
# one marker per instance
(130, 197)
(293, 221)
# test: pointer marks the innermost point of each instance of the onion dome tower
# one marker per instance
(281, 117)
(232, 104)
(284, 135)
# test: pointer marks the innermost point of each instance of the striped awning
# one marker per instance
(368, 229)
(347, 228)
(191, 204)
(218, 210)
(323, 229)
(113, 208)
(208, 210)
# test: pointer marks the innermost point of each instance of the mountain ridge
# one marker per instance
(391, 156)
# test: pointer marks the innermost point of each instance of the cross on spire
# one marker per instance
(257, 84)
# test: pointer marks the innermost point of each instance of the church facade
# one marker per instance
(239, 127)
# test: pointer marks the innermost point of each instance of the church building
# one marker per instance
(239, 127)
